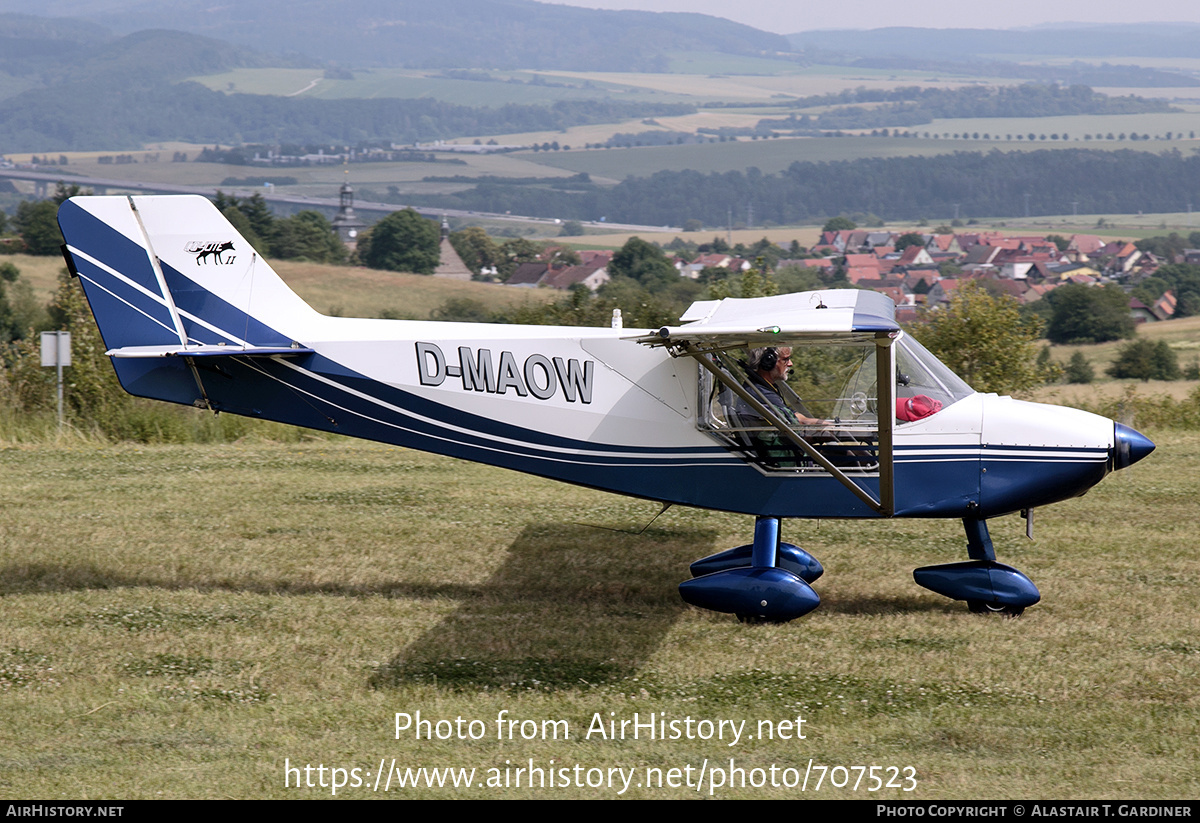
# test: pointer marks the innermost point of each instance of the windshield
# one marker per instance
(919, 372)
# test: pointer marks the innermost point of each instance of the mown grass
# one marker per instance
(179, 621)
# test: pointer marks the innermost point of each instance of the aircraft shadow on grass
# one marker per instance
(571, 606)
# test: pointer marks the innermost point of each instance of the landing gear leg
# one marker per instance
(987, 586)
(764, 582)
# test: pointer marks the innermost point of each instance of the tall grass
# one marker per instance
(1149, 411)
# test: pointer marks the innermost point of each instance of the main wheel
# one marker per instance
(984, 607)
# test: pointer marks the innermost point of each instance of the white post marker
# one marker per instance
(56, 352)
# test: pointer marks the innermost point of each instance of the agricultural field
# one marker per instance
(703, 79)
(347, 291)
(315, 181)
(504, 88)
(692, 77)
(774, 155)
(194, 621)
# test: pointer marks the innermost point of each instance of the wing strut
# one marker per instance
(884, 375)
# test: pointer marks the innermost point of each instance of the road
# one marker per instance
(103, 184)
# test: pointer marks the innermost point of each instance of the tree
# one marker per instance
(403, 241)
(20, 311)
(839, 224)
(238, 213)
(1079, 370)
(560, 256)
(1086, 314)
(93, 393)
(242, 224)
(983, 338)
(571, 228)
(1144, 360)
(755, 282)
(37, 223)
(309, 236)
(909, 239)
(476, 250)
(63, 192)
(516, 251)
(643, 262)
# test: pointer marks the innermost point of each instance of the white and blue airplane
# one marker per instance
(190, 314)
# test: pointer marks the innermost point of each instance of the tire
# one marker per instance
(984, 607)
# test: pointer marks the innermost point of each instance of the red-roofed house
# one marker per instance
(915, 256)
(1164, 307)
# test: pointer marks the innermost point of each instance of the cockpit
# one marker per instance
(827, 406)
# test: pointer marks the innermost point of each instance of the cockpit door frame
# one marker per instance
(885, 372)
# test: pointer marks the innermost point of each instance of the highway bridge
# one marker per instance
(44, 183)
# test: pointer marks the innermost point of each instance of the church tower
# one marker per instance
(346, 223)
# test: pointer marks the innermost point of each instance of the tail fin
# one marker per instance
(169, 276)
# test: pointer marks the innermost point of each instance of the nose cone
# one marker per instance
(1129, 446)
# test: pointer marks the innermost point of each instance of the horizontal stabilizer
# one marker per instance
(208, 351)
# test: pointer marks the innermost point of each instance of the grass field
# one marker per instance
(180, 622)
(1182, 335)
(360, 292)
(344, 290)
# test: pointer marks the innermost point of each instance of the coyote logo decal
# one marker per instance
(204, 251)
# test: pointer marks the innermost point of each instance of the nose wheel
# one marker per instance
(987, 586)
(984, 607)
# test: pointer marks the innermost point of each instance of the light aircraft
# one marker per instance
(191, 314)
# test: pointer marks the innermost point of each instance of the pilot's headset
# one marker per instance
(769, 359)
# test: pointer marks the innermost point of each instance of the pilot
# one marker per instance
(768, 368)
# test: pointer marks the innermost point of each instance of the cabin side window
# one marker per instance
(827, 400)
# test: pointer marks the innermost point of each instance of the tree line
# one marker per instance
(913, 105)
(90, 115)
(992, 184)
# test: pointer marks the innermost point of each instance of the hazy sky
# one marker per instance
(788, 16)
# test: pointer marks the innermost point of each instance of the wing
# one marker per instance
(764, 321)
